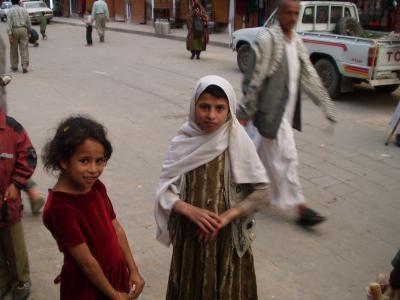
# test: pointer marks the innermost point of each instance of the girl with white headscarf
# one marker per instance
(211, 183)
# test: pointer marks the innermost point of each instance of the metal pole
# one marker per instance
(152, 10)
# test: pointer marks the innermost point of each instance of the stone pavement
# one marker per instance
(179, 34)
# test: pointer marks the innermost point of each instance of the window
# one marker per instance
(336, 13)
(347, 12)
(34, 4)
(308, 16)
(322, 14)
(272, 21)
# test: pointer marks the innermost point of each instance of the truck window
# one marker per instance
(336, 13)
(308, 15)
(347, 12)
(271, 21)
(322, 14)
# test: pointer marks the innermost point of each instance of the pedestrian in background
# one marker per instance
(395, 124)
(17, 164)
(18, 28)
(211, 184)
(197, 37)
(36, 201)
(271, 100)
(88, 20)
(98, 263)
(100, 15)
(33, 38)
(43, 25)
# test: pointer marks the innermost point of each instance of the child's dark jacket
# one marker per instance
(17, 163)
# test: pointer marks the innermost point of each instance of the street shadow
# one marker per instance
(286, 217)
(367, 97)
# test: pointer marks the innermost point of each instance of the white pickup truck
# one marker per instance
(340, 59)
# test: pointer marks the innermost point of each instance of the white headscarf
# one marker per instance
(192, 148)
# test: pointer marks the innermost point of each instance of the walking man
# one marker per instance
(272, 101)
(18, 29)
(100, 15)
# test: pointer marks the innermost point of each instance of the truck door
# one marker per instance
(321, 22)
(336, 14)
(307, 22)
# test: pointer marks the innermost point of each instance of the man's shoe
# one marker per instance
(309, 217)
(398, 140)
(22, 290)
(36, 205)
(24, 70)
(102, 39)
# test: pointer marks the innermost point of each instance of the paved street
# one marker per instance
(140, 87)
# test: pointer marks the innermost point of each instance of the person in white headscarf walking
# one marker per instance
(211, 184)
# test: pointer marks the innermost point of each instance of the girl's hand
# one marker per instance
(136, 282)
(11, 192)
(206, 220)
(121, 296)
(226, 217)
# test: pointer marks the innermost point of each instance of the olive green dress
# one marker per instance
(208, 270)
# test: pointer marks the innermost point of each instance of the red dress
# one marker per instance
(75, 219)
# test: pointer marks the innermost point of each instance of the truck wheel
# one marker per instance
(387, 89)
(348, 26)
(245, 58)
(329, 76)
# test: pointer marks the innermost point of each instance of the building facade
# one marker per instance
(223, 14)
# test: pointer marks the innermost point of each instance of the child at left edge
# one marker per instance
(98, 262)
(17, 164)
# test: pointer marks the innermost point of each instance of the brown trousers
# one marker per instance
(14, 263)
(100, 24)
(21, 38)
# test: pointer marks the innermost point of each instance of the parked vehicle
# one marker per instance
(340, 50)
(35, 10)
(5, 6)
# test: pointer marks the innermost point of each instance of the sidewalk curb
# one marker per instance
(144, 33)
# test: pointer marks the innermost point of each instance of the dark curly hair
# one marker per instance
(71, 133)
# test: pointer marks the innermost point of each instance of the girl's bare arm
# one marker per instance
(94, 272)
(134, 277)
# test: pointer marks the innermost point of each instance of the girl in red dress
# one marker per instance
(98, 263)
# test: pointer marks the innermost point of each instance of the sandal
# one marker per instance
(309, 217)
(22, 290)
(36, 205)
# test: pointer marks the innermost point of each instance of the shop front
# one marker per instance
(378, 14)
